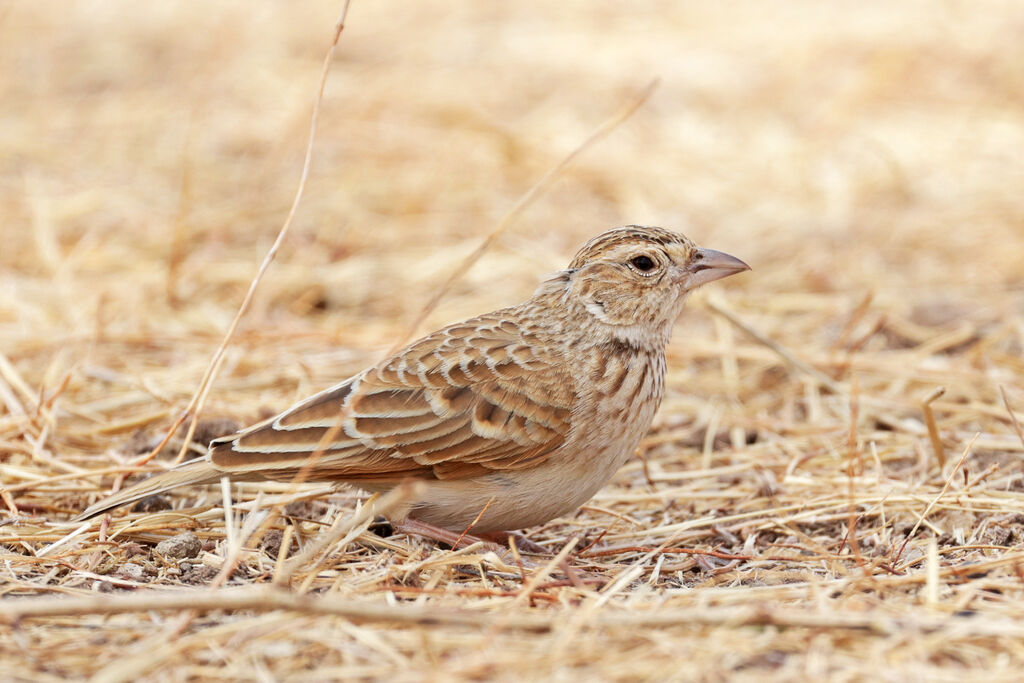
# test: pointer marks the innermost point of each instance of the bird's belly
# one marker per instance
(512, 500)
(502, 502)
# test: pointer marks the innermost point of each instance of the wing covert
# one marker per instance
(471, 398)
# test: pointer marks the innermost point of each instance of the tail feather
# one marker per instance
(199, 471)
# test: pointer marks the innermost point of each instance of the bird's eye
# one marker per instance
(642, 263)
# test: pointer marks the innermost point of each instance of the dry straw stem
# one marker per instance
(945, 487)
(788, 520)
(933, 429)
(198, 402)
(267, 599)
(1013, 416)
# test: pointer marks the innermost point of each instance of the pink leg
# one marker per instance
(497, 541)
(523, 544)
(413, 526)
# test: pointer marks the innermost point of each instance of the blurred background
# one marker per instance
(148, 153)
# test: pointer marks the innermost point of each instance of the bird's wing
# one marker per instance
(470, 399)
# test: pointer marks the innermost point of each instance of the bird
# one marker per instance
(507, 420)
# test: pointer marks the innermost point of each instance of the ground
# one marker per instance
(790, 515)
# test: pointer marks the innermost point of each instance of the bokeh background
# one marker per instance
(865, 158)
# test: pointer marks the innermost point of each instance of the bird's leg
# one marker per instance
(411, 525)
(523, 543)
(498, 541)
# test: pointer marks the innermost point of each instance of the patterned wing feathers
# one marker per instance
(471, 399)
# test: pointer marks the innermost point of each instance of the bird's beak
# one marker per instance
(708, 265)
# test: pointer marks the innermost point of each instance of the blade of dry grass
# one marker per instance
(933, 430)
(1013, 417)
(261, 599)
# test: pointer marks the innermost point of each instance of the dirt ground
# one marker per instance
(791, 517)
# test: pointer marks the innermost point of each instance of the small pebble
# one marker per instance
(180, 546)
(133, 571)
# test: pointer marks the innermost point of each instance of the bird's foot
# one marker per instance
(415, 527)
(523, 544)
(498, 541)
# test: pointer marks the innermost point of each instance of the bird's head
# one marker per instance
(637, 278)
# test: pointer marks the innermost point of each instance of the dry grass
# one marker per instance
(864, 158)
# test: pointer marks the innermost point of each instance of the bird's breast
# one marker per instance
(617, 401)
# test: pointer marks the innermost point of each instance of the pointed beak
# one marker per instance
(708, 265)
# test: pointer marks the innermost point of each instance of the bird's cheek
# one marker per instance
(679, 277)
(613, 309)
(676, 309)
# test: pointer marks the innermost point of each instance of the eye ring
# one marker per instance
(643, 263)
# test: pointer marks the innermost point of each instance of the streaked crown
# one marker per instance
(630, 236)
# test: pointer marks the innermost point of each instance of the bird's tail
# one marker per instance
(199, 471)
